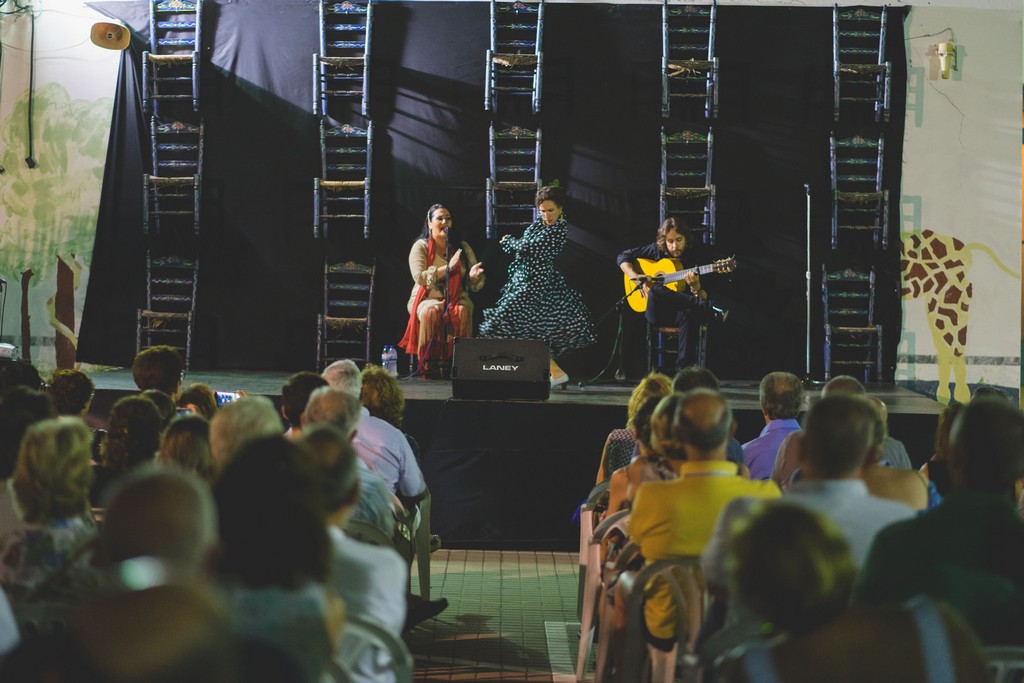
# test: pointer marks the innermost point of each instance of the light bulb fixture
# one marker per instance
(947, 57)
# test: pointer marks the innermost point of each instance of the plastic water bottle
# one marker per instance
(391, 362)
(385, 357)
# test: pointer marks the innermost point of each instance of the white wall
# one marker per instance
(50, 211)
(962, 178)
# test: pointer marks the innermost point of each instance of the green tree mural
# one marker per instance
(48, 213)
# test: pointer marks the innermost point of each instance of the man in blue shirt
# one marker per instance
(782, 396)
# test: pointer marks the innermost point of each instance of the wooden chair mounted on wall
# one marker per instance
(689, 67)
(861, 75)
(852, 337)
(514, 179)
(346, 319)
(342, 66)
(515, 59)
(170, 68)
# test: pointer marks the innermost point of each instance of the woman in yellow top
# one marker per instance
(440, 263)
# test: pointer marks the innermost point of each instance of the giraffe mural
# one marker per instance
(935, 267)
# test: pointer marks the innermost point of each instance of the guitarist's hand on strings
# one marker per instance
(693, 280)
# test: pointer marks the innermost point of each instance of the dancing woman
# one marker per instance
(536, 302)
(433, 266)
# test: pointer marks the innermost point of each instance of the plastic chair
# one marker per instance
(689, 597)
(590, 590)
(1006, 663)
(368, 649)
(412, 541)
(588, 511)
(368, 533)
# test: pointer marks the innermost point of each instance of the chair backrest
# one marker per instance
(848, 297)
(174, 26)
(1006, 663)
(369, 651)
(367, 533)
(683, 577)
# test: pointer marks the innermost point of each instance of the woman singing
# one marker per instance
(433, 266)
(536, 302)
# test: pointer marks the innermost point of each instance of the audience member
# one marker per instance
(18, 373)
(375, 505)
(133, 439)
(20, 409)
(241, 421)
(164, 406)
(937, 467)
(989, 391)
(382, 396)
(372, 580)
(46, 561)
(383, 448)
(294, 397)
(71, 392)
(646, 466)
(782, 396)
(160, 368)
(186, 445)
(675, 518)
(969, 550)
(832, 449)
(893, 453)
(10, 636)
(276, 552)
(698, 377)
(200, 399)
(164, 514)
(906, 486)
(795, 571)
(621, 445)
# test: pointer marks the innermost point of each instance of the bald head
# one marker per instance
(843, 384)
(781, 395)
(696, 425)
(162, 513)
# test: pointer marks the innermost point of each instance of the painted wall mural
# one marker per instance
(49, 214)
(936, 269)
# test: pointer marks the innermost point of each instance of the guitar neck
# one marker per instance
(683, 274)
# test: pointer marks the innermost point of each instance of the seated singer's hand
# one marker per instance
(476, 271)
(454, 263)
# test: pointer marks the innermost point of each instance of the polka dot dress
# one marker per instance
(537, 302)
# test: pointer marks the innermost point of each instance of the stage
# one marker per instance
(509, 474)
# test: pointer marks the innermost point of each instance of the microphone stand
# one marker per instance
(617, 347)
(445, 323)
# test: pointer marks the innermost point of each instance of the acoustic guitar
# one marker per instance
(669, 272)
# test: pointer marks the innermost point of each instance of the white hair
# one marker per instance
(337, 407)
(239, 422)
(344, 375)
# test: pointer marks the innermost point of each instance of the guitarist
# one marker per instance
(686, 308)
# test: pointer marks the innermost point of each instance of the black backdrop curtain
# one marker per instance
(260, 271)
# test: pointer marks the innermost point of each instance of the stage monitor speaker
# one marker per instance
(501, 368)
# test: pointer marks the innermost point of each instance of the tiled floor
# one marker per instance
(511, 617)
